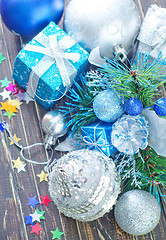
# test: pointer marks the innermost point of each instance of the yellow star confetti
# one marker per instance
(8, 107)
(43, 176)
(15, 138)
(19, 165)
(15, 102)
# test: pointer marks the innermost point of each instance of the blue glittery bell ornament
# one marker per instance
(133, 106)
(27, 18)
(160, 107)
(108, 106)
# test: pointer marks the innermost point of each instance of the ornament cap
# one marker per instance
(120, 53)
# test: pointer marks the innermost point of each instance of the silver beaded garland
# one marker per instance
(84, 184)
(137, 212)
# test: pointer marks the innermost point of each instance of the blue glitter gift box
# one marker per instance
(97, 135)
(47, 65)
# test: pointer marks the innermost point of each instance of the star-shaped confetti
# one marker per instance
(5, 82)
(33, 202)
(35, 216)
(41, 213)
(19, 165)
(45, 200)
(28, 220)
(9, 115)
(2, 58)
(28, 98)
(15, 138)
(36, 229)
(43, 176)
(11, 87)
(2, 126)
(57, 234)
(5, 94)
(8, 107)
(21, 96)
(15, 102)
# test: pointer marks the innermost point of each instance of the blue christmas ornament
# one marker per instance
(133, 106)
(27, 18)
(108, 106)
(160, 107)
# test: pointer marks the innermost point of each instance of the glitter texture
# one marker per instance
(130, 133)
(108, 106)
(84, 184)
(137, 212)
(51, 80)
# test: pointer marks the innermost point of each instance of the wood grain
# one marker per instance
(16, 188)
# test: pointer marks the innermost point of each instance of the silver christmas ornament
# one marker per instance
(110, 24)
(53, 125)
(84, 184)
(137, 212)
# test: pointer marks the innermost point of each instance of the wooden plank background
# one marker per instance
(15, 188)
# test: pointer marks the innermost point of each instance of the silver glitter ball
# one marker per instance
(137, 212)
(53, 125)
(84, 184)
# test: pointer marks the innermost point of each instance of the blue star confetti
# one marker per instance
(28, 220)
(33, 202)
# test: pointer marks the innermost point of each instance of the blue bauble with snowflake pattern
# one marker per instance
(108, 106)
(160, 107)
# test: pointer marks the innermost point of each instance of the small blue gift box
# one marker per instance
(97, 135)
(47, 65)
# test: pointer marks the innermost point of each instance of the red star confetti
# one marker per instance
(5, 82)
(45, 200)
(57, 234)
(2, 58)
(17, 91)
(36, 229)
(11, 87)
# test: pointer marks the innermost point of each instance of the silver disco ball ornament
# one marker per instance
(84, 184)
(110, 24)
(137, 212)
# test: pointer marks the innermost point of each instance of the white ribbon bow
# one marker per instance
(54, 51)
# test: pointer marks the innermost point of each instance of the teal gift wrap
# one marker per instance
(47, 65)
(97, 135)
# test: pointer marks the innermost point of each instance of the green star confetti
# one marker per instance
(9, 115)
(57, 234)
(42, 213)
(5, 82)
(2, 58)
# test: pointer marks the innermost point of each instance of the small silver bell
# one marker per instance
(53, 125)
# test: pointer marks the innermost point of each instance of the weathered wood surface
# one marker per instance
(15, 188)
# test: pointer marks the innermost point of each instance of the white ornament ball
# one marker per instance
(104, 23)
(84, 184)
(137, 212)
